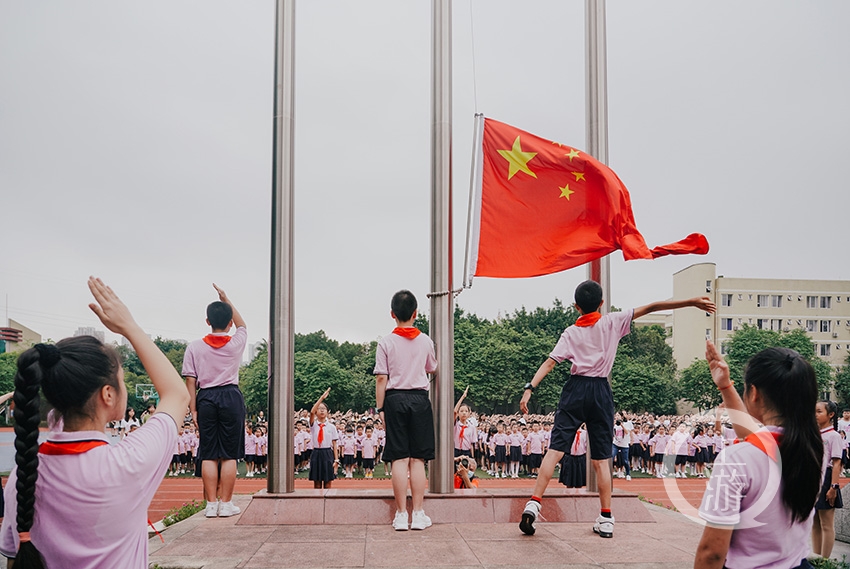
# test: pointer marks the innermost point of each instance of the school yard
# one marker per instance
(667, 542)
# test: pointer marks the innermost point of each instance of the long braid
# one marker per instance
(27, 419)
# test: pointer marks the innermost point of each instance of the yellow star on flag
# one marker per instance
(579, 176)
(573, 153)
(517, 160)
(566, 192)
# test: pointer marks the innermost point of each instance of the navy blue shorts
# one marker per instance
(221, 423)
(586, 400)
(410, 425)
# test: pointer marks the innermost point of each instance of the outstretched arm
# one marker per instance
(701, 302)
(173, 396)
(238, 321)
(317, 403)
(460, 401)
(742, 422)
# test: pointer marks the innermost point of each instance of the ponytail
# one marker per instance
(27, 419)
(788, 382)
(831, 409)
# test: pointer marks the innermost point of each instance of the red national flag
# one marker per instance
(547, 207)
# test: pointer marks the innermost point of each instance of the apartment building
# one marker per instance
(821, 308)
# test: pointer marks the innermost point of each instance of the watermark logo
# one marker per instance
(736, 475)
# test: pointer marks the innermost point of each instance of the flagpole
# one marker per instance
(441, 474)
(473, 218)
(597, 143)
(282, 326)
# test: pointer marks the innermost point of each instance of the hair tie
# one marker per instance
(48, 355)
(24, 536)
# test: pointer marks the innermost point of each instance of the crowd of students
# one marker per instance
(783, 474)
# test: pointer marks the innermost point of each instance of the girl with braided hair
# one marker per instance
(84, 517)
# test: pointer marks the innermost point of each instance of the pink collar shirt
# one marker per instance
(91, 508)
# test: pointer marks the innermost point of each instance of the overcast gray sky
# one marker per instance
(135, 144)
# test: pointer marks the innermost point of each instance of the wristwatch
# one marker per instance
(379, 410)
(836, 486)
(528, 386)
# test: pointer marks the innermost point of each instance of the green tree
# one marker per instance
(317, 370)
(696, 386)
(748, 341)
(842, 382)
(8, 369)
(744, 344)
(254, 381)
(548, 321)
(641, 387)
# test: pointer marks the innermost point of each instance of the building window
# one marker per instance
(723, 348)
(751, 296)
(725, 300)
(725, 324)
(825, 349)
(776, 301)
(763, 323)
(776, 325)
(811, 302)
(811, 325)
(707, 286)
(763, 299)
(740, 297)
(826, 302)
(708, 333)
(826, 326)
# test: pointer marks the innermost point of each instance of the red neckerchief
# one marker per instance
(826, 430)
(760, 441)
(574, 450)
(69, 447)
(408, 333)
(589, 319)
(216, 341)
(462, 429)
(321, 436)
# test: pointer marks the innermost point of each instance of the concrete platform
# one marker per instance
(377, 506)
(668, 542)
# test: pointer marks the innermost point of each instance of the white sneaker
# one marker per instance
(628, 477)
(400, 521)
(420, 520)
(529, 516)
(227, 509)
(211, 510)
(604, 526)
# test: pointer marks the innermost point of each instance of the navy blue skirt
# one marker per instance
(516, 454)
(573, 471)
(322, 465)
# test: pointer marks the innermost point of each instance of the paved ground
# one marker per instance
(221, 544)
(200, 543)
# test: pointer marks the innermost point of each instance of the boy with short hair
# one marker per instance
(211, 368)
(403, 361)
(591, 345)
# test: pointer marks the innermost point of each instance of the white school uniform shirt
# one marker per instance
(833, 445)
(592, 349)
(744, 493)
(330, 434)
(86, 515)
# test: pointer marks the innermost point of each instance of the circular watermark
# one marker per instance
(736, 477)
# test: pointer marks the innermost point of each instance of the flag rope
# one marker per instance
(454, 292)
